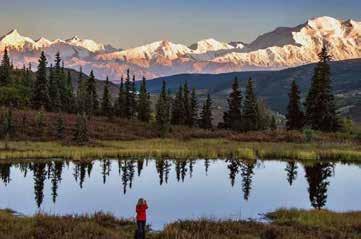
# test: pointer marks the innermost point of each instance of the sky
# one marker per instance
(130, 23)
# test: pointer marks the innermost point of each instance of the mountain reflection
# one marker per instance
(240, 172)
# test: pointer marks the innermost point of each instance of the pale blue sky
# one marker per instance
(129, 23)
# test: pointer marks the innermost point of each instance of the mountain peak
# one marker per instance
(210, 44)
(14, 40)
(12, 34)
(74, 38)
(324, 23)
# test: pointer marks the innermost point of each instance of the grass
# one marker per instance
(180, 149)
(284, 224)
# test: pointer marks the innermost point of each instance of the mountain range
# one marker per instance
(282, 48)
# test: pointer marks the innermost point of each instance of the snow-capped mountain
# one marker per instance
(90, 45)
(208, 45)
(14, 40)
(284, 47)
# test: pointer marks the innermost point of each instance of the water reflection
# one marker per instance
(317, 176)
(318, 180)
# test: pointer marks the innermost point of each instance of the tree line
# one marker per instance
(52, 90)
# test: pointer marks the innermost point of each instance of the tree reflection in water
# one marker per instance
(317, 175)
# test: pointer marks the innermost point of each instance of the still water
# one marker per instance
(174, 190)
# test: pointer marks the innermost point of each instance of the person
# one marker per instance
(141, 210)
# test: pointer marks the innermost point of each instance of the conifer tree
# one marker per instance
(193, 109)
(128, 97)
(106, 100)
(120, 103)
(70, 101)
(178, 110)
(187, 106)
(81, 130)
(54, 96)
(320, 103)
(40, 97)
(163, 111)
(92, 102)
(295, 117)
(60, 79)
(8, 127)
(27, 80)
(233, 117)
(39, 120)
(81, 95)
(133, 98)
(250, 112)
(144, 109)
(60, 127)
(206, 114)
(5, 69)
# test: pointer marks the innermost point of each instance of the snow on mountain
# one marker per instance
(90, 45)
(160, 52)
(208, 45)
(42, 43)
(284, 47)
(237, 44)
(14, 40)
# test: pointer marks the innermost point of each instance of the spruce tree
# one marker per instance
(206, 114)
(320, 103)
(295, 117)
(60, 79)
(144, 109)
(106, 100)
(81, 130)
(233, 117)
(8, 127)
(60, 127)
(163, 111)
(70, 101)
(120, 103)
(92, 102)
(81, 95)
(178, 109)
(40, 97)
(54, 97)
(193, 109)
(250, 111)
(133, 98)
(128, 97)
(187, 106)
(5, 69)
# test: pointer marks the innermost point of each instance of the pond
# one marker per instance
(182, 189)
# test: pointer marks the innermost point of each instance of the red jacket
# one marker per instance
(142, 212)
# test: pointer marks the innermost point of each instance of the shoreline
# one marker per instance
(184, 149)
(282, 223)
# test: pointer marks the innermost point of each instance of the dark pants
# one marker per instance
(140, 230)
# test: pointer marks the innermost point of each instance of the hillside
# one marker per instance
(273, 86)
